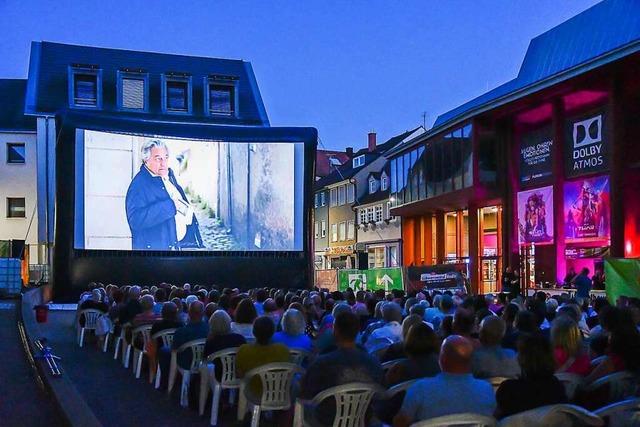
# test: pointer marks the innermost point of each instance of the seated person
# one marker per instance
(220, 337)
(251, 356)
(396, 350)
(537, 386)
(168, 321)
(346, 364)
(147, 316)
(388, 334)
(94, 302)
(442, 394)
(568, 349)
(244, 316)
(490, 359)
(292, 334)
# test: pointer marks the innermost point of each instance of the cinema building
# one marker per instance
(541, 173)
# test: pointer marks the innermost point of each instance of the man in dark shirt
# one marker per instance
(346, 364)
(132, 308)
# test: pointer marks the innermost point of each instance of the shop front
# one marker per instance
(341, 257)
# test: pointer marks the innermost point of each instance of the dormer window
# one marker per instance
(85, 86)
(221, 95)
(373, 185)
(133, 90)
(176, 93)
(384, 182)
(358, 161)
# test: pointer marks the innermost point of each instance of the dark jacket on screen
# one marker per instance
(151, 214)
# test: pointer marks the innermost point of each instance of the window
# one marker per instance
(85, 87)
(351, 193)
(316, 229)
(372, 186)
(370, 214)
(358, 161)
(132, 91)
(221, 99)
(315, 204)
(16, 207)
(334, 196)
(341, 195)
(15, 153)
(176, 96)
(378, 213)
(362, 216)
(384, 182)
(322, 199)
(334, 232)
(351, 230)
(323, 228)
(343, 230)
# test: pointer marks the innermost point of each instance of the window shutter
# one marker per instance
(85, 90)
(133, 94)
(177, 96)
(220, 100)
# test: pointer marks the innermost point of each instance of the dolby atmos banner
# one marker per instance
(586, 147)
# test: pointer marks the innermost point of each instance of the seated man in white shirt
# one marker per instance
(388, 334)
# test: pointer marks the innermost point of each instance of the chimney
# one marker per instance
(372, 141)
(349, 151)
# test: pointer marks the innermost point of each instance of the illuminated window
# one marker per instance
(351, 190)
(378, 213)
(334, 232)
(351, 230)
(317, 229)
(334, 196)
(343, 231)
(341, 195)
(323, 228)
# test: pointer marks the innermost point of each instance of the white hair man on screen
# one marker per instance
(158, 211)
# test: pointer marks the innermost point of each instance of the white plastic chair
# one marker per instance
(105, 345)
(118, 343)
(145, 331)
(458, 420)
(300, 356)
(387, 365)
(622, 385)
(553, 415)
(625, 413)
(197, 348)
(227, 360)
(352, 401)
(495, 382)
(90, 316)
(401, 387)
(572, 383)
(276, 381)
(166, 335)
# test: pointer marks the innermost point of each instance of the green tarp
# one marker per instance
(623, 278)
(379, 278)
(5, 248)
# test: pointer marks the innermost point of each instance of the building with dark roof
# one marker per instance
(18, 217)
(539, 173)
(88, 109)
(340, 194)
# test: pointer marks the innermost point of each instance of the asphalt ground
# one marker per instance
(24, 400)
(112, 392)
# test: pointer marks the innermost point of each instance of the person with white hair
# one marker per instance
(292, 334)
(158, 211)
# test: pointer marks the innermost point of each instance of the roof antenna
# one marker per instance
(424, 119)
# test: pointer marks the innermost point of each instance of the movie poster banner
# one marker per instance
(586, 147)
(586, 209)
(535, 216)
(535, 157)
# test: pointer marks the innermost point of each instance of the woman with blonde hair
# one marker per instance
(568, 347)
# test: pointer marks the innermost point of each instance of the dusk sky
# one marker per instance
(344, 67)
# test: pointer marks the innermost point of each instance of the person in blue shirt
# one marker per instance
(292, 334)
(583, 284)
(454, 391)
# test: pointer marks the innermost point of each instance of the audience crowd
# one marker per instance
(451, 342)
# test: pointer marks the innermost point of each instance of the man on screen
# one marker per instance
(159, 214)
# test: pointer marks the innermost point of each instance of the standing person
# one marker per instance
(158, 212)
(598, 280)
(569, 278)
(507, 278)
(583, 284)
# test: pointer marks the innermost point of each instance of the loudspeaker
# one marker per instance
(363, 260)
(17, 249)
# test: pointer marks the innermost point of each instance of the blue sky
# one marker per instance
(344, 67)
